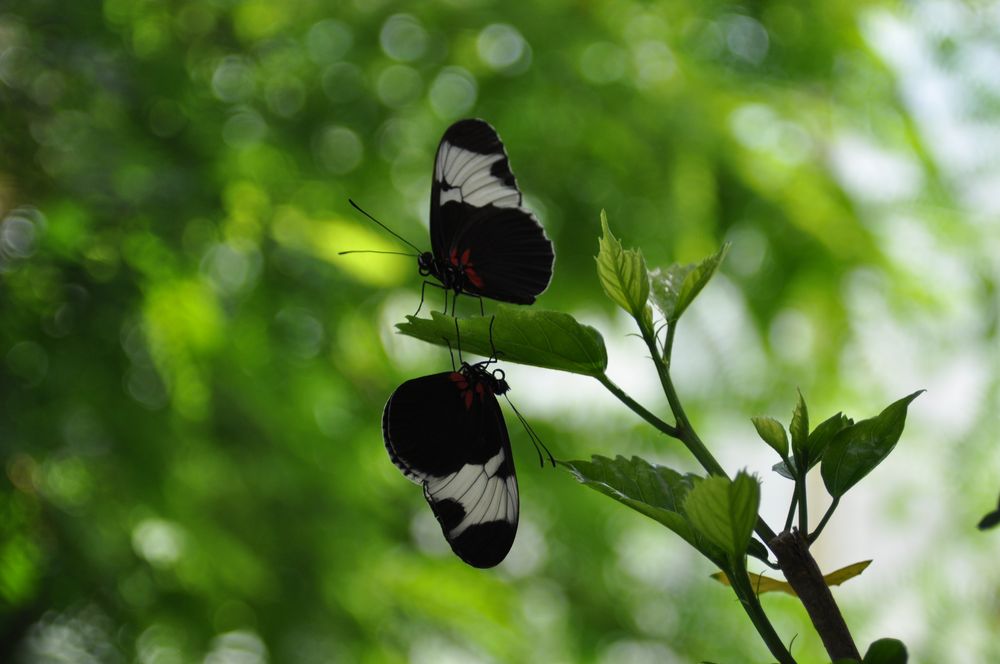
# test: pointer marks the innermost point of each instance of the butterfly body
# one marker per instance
(446, 432)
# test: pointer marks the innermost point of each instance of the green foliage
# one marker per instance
(656, 491)
(773, 433)
(622, 272)
(820, 438)
(799, 429)
(857, 449)
(547, 339)
(191, 378)
(724, 511)
(675, 288)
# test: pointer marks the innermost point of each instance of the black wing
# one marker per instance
(476, 206)
(452, 439)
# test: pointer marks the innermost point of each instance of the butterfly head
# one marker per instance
(479, 374)
(427, 264)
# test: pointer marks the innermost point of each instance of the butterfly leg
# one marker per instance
(423, 287)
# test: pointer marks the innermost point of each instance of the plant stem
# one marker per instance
(791, 509)
(687, 433)
(748, 598)
(637, 408)
(804, 576)
(826, 517)
(800, 491)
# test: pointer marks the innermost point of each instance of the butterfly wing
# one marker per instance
(452, 439)
(476, 206)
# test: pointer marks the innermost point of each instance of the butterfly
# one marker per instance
(484, 243)
(446, 432)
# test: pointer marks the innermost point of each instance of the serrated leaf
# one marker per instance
(547, 339)
(799, 429)
(765, 584)
(725, 511)
(656, 491)
(772, 433)
(622, 272)
(886, 651)
(856, 450)
(676, 287)
(821, 436)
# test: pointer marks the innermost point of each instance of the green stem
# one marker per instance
(637, 408)
(800, 491)
(687, 433)
(826, 517)
(791, 510)
(748, 598)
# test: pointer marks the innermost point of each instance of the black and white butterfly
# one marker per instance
(446, 432)
(483, 242)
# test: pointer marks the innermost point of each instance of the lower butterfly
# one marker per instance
(446, 432)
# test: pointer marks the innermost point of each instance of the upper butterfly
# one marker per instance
(483, 243)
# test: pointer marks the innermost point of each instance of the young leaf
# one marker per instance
(857, 449)
(725, 511)
(799, 428)
(547, 339)
(765, 584)
(821, 436)
(676, 287)
(786, 469)
(886, 651)
(772, 433)
(622, 272)
(655, 491)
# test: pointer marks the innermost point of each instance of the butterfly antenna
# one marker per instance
(536, 440)
(391, 232)
(372, 251)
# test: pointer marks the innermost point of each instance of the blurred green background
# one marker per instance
(191, 380)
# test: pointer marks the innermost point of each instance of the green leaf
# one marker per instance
(622, 272)
(677, 286)
(857, 449)
(547, 339)
(886, 651)
(799, 429)
(656, 491)
(785, 468)
(772, 433)
(821, 436)
(725, 511)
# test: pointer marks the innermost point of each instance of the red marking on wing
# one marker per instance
(473, 278)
